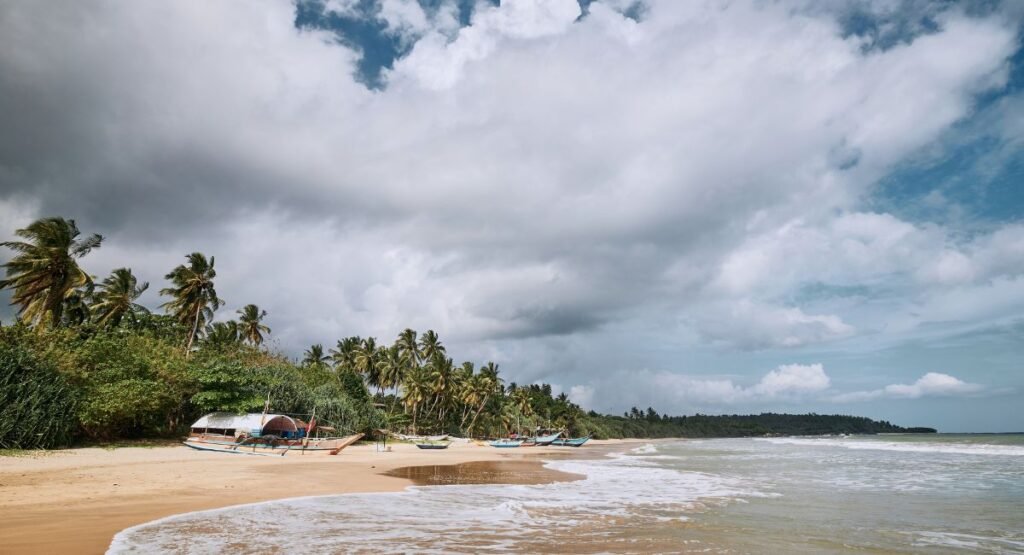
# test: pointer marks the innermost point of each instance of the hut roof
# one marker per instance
(251, 421)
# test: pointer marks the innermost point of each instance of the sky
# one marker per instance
(713, 207)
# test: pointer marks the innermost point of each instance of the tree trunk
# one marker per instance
(472, 423)
(192, 336)
(414, 411)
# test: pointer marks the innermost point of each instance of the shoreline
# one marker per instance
(76, 500)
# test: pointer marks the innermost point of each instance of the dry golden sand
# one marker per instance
(75, 500)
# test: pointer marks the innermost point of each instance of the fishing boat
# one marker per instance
(433, 444)
(262, 434)
(541, 441)
(574, 442)
(506, 443)
(414, 439)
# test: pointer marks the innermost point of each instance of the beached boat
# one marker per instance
(433, 445)
(574, 442)
(405, 437)
(541, 441)
(261, 434)
(506, 443)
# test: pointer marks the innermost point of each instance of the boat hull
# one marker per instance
(575, 442)
(505, 444)
(224, 449)
(546, 440)
(431, 446)
(280, 447)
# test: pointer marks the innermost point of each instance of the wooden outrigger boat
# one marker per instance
(574, 442)
(506, 443)
(541, 441)
(261, 434)
(414, 439)
(433, 445)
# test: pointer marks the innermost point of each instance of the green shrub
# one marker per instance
(37, 405)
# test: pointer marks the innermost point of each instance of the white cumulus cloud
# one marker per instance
(529, 186)
(932, 384)
(793, 379)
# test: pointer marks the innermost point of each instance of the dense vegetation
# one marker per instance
(85, 361)
(649, 424)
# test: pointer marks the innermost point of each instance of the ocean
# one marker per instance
(941, 493)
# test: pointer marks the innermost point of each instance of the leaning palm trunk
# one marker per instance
(195, 330)
(472, 423)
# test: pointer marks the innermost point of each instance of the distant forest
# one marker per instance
(84, 362)
(648, 423)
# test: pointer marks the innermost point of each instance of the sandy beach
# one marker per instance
(75, 500)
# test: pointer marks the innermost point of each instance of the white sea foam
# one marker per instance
(879, 445)
(970, 542)
(445, 518)
(646, 449)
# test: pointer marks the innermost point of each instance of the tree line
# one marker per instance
(85, 361)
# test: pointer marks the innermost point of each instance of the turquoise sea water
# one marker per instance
(861, 494)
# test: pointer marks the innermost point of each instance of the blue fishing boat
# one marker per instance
(541, 441)
(574, 442)
(506, 443)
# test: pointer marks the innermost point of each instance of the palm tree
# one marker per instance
(193, 297)
(366, 359)
(462, 382)
(314, 356)
(250, 324)
(408, 348)
(116, 298)
(44, 272)
(221, 334)
(430, 346)
(486, 385)
(77, 309)
(392, 367)
(343, 355)
(490, 370)
(521, 401)
(441, 375)
(416, 388)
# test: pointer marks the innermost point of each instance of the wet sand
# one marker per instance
(523, 471)
(75, 500)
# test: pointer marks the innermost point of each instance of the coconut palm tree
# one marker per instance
(430, 346)
(116, 298)
(222, 334)
(415, 391)
(366, 362)
(408, 348)
(314, 356)
(343, 355)
(471, 395)
(442, 372)
(193, 296)
(250, 324)
(392, 367)
(77, 309)
(45, 271)
(521, 401)
(486, 385)
(462, 381)
(490, 370)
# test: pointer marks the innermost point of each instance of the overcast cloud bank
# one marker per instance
(539, 187)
